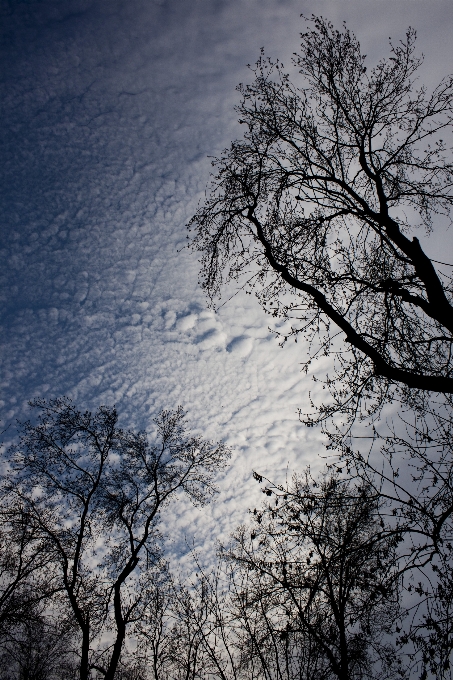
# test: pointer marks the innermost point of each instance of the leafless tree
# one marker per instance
(317, 583)
(154, 630)
(27, 578)
(412, 471)
(327, 582)
(94, 494)
(317, 210)
(188, 632)
(39, 649)
(205, 615)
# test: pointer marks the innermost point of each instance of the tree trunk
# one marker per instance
(120, 635)
(84, 668)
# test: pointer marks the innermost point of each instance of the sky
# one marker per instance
(110, 111)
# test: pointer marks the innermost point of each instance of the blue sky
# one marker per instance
(109, 112)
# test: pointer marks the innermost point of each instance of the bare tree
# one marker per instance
(155, 630)
(413, 473)
(27, 578)
(317, 207)
(41, 649)
(189, 632)
(189, 637)
(333, 579)
(317, 583)
(207, 624)
(94, 494)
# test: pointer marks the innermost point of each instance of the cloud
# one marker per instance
(110, 112)
(241, 345)
(187, 322)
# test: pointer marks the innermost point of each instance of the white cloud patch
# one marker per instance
(186, 323)
(241, 345)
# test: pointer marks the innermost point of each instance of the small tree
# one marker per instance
(317, 583)
(318, 206)
(206, 636)
(94, 494)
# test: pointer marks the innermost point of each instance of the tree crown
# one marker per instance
(313, 209)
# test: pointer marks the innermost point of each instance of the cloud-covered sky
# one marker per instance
(109, 111)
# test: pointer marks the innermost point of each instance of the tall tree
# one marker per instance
(318, 208)
(324, 209)
(94, 494)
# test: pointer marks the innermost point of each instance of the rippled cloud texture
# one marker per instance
(110, 110)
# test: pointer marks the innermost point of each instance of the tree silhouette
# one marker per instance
(413, 474)
(317, 207)
(324, 210)
(27, 577)
(39, 649)
(94, 494)
(318, 588)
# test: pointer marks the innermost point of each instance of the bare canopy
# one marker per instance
(101, 492)
(317, 206)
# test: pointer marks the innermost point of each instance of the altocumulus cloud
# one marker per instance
(109, 112)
